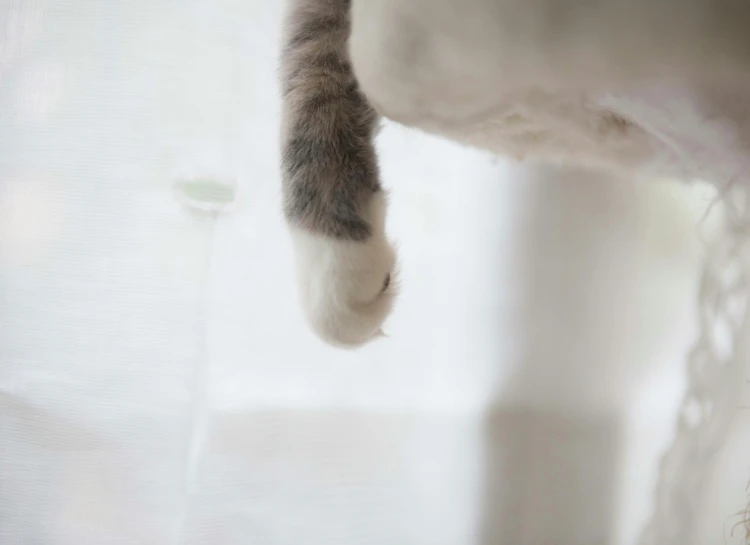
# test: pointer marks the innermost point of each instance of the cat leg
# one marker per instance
(334, 203)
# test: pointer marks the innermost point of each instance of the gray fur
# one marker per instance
(329, 164)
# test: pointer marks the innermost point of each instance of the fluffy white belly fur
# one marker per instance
(651, 86)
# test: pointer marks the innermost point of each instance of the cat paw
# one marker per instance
(347, 288)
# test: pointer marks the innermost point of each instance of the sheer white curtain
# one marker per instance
(158, 385)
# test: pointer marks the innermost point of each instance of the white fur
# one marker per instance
(341, 282)
(554, 79)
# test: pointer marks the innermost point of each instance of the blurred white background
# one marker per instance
(158, 384)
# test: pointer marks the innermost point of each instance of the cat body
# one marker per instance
(648, 87)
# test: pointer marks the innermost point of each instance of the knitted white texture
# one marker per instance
(715, 376)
